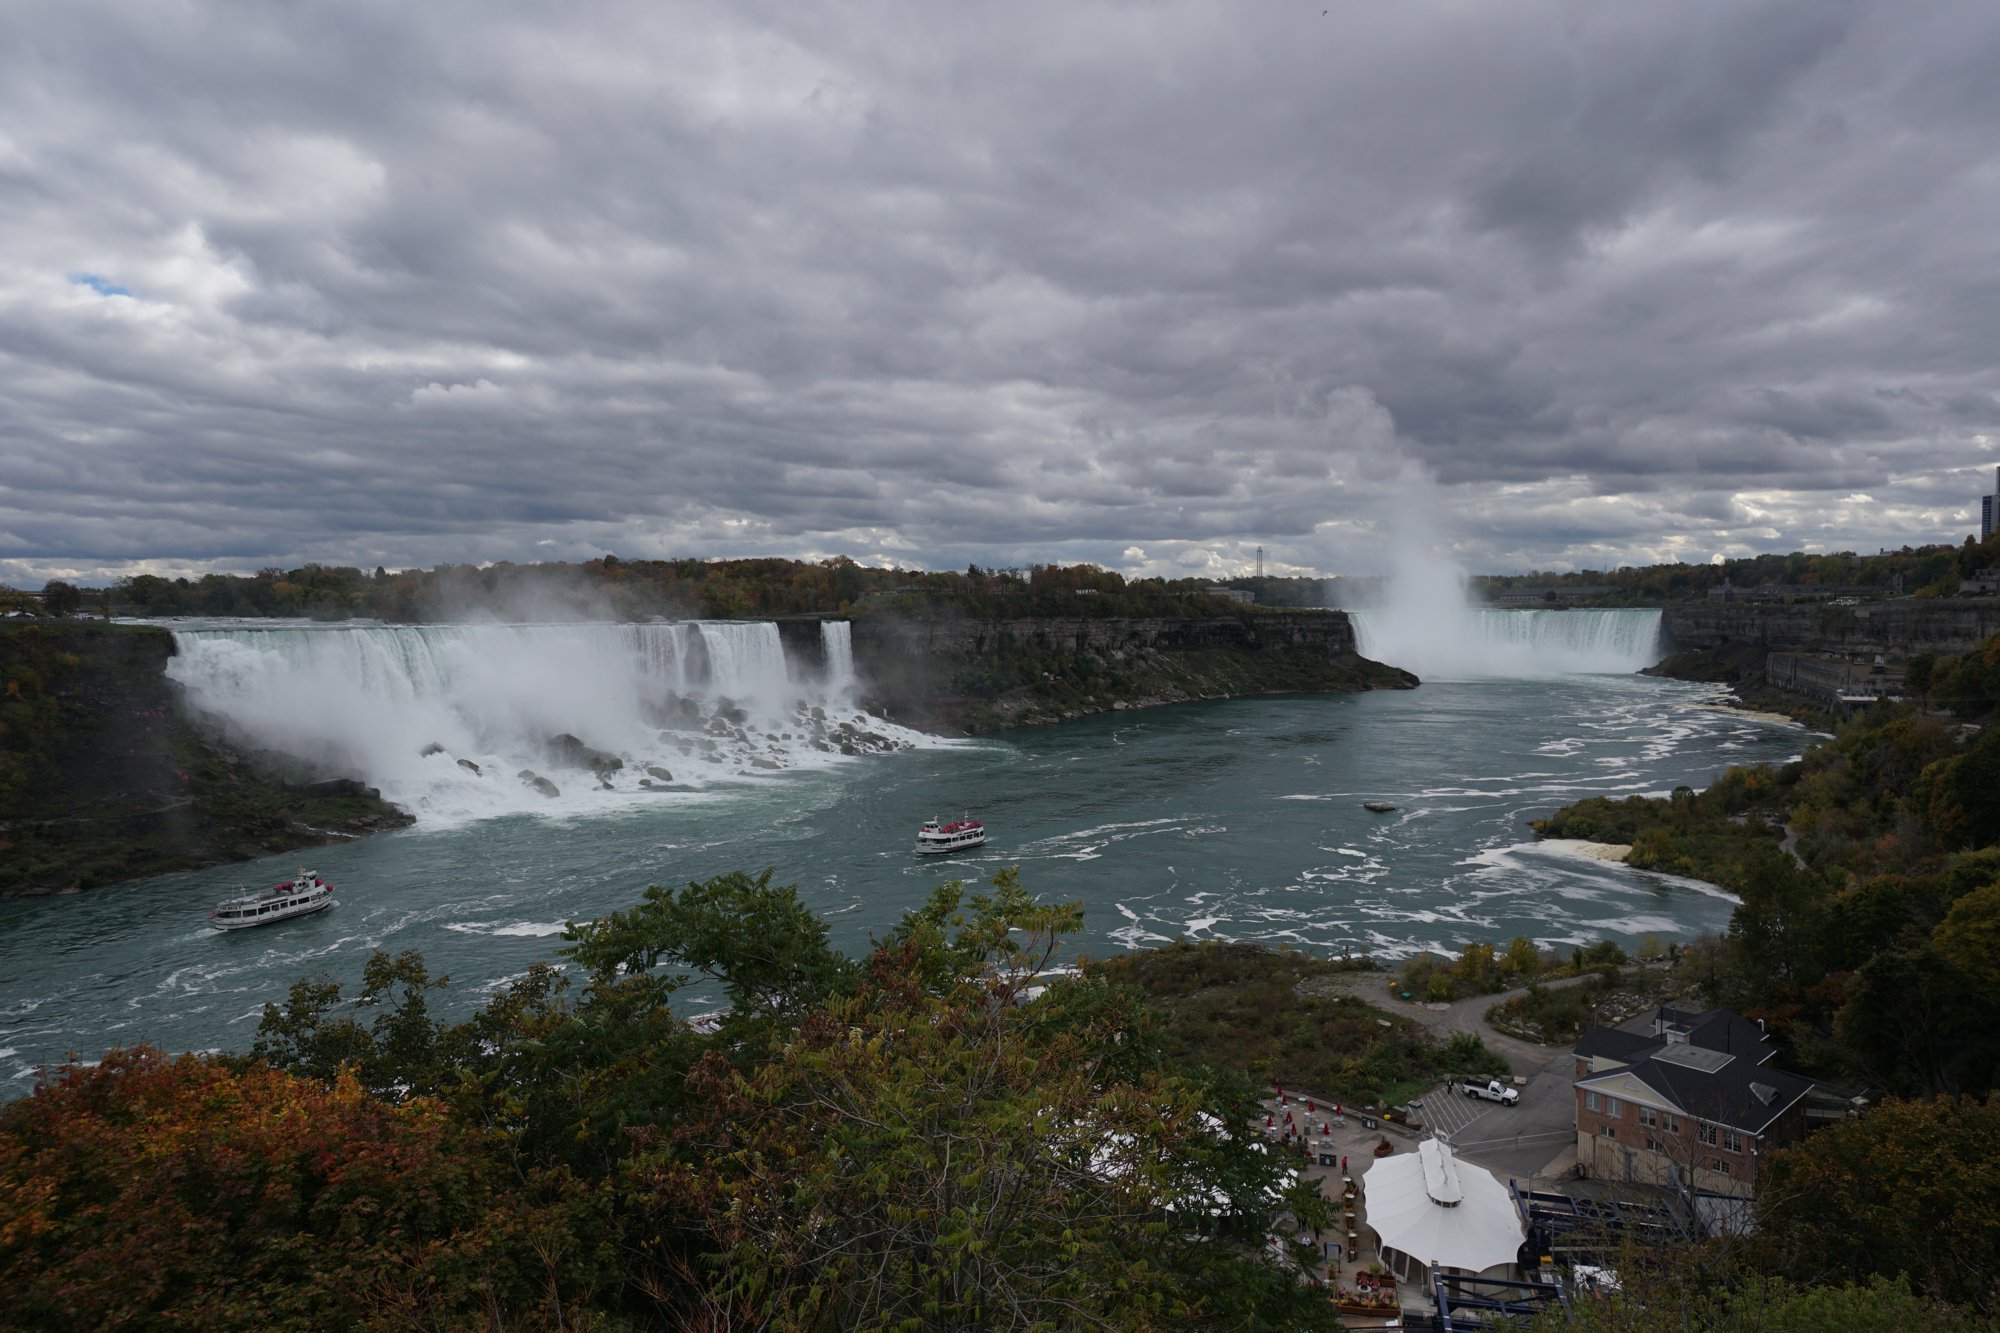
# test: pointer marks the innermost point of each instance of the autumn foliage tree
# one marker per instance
(940, 1136)
(149, 1192)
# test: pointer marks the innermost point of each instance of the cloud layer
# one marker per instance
(1150, 285)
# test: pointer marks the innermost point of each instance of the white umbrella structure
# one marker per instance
(1437, 1210)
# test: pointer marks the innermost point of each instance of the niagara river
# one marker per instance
(1227, 819)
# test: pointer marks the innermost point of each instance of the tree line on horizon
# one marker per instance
(609, 588)
(612, 588)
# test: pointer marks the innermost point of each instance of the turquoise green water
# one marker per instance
(1239, 819)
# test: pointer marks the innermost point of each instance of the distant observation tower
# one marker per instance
(1260, 550)
(1989, 509)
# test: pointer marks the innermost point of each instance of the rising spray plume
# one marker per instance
(1426, 619)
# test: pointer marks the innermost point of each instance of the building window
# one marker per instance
(1613, 1107)
(1608, 1131)
(1706, 1132)
(1732, 1141)
(1590, 1101)
(1649, 1117)
(1719, 1165)
(1673, 1125)
(1654, 1145)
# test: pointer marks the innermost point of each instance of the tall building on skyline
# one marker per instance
(1989, 509)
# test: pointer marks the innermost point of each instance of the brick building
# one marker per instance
(1698, 1092)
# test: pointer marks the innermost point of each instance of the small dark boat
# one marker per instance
(1379, 807)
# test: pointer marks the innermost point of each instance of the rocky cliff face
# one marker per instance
(104, 778)
(1896, 629)
(976, 675)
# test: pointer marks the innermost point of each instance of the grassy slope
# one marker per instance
(1272, 1015)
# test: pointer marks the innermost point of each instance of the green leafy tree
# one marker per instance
(1969, 938)
(61, 599)
(1756, 1304)
(767, 951)
(947, 1147)
(404, 1050)
(1909, 1187)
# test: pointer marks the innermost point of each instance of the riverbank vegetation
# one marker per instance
(1484, 969)
(938, 1135)
(1870, 884)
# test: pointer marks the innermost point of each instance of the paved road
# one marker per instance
(1467, 1015)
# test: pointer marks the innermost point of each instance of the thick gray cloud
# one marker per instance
(376, 283)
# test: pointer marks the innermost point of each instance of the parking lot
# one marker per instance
(1517, 1140)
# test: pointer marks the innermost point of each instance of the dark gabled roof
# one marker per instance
(1715, 1066)
(1717, 1030)
(1740, 1094)
(1615, 1044)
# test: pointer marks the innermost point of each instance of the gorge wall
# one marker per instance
(974, 675)
(103, 777)
(1896, 629)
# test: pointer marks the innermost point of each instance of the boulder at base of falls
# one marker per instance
(539, 783)
(469, 767)
(655, 771)
(429, 750)
(570, 752)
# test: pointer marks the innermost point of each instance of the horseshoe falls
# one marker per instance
(457, 722)
(1457, 642)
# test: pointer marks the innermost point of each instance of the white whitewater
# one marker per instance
(836, 638)
(1428, 623)
(455, 722)
(1483, 643)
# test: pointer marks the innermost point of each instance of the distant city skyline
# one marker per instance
(1552, 285)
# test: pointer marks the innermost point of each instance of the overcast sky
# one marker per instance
(1588, 284)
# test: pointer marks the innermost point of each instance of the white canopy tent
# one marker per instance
(1434, 1209)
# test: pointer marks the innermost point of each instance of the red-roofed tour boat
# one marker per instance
(935, 839)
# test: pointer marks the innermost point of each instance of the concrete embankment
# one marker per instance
(981, 675)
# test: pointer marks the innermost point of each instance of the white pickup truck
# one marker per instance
(1493, 1090)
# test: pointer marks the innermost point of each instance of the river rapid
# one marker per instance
(1238, 819)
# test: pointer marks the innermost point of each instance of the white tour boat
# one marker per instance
(280, 902)
(935, 839)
